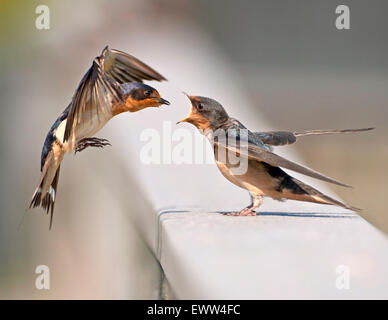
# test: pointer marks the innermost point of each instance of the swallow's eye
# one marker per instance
(200, 106)
(147, 93)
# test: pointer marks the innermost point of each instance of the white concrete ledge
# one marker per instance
(277, 255)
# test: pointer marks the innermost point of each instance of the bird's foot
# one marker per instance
(91, 142)
(232, 214)
(243, 212)
(247, 212)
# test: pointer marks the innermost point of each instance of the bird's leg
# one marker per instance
(91, 142)
(256, 201)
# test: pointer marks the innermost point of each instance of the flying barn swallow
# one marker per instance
(264, 176)
(113, 84)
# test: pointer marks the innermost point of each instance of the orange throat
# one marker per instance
(132, 105)
(120, 108)
(197, 120)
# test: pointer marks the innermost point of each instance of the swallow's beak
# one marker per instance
(182, 120)
(163, 101)
(188, 118)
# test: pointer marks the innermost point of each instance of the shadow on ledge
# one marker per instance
(268, 213)
(299, 214)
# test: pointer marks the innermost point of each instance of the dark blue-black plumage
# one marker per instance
(50, 138)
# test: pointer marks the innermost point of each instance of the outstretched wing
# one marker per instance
(247, 148)
(280, 138)
(99, 89)
(124, 68)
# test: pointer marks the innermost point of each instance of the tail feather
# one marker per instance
(317, 132)
(338, 203)
(47, 202)
(319, 197)
(35, 201)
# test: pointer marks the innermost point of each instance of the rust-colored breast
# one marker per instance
(119, 108)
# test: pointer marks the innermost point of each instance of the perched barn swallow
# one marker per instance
(263, 176)
(113, 84)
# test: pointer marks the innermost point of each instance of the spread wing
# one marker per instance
(100, 88)
(280, 138)
(249, 149)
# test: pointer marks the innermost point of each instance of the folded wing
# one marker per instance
(254, 152)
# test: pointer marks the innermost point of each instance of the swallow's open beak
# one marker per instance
(182, 120)
(163, 101)
(188, 118)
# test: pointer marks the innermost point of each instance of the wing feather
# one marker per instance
(255, 152)
(100, 88)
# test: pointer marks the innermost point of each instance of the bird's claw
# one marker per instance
(244, 212)
(91, 142)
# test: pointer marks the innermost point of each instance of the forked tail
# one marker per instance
(46, 200)
(318, 132)
(313, 195)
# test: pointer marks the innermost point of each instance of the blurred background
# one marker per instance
(282, 61)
